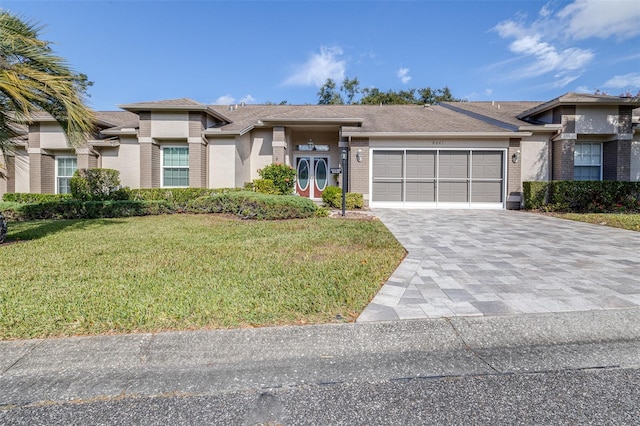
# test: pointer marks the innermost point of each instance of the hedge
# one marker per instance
(254, 205)
(332, 197)
(582, 196)
(29, 198)
(178, 198)
(75, 209)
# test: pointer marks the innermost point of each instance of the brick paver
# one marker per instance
(500, 262)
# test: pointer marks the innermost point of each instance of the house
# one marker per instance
(451, 155)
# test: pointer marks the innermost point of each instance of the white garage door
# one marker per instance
(438, 178)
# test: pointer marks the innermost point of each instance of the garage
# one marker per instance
(438, 178)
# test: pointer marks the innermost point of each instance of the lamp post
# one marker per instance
(344, 153)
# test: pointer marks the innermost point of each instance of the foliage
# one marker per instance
(33, 78)
(583, 196)
(265, 186)
(177, 198)
(254, 205)
(28, 197)
(186, 272)
(97, 185)
(76, 209)
(329, 95)
(283, 177)
(3, 228)
(332, 197)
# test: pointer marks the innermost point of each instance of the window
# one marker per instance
(175, 166)
(588, 161)
(65, 168)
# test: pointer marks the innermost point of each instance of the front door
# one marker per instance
(312, 176)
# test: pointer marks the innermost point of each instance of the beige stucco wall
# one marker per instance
(22, 170)
(596, 120)
(261, 151)
(319, 138)
(635, 160)
(168, 125)
(222, 164)
(535, 159)
(52, 136)
(243, 159)
(124, 158)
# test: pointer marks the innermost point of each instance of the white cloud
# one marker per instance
(626, 81)
(403, 75)
(488, 91)
(319, 68)
(248, 99)
(224, 100)
(602, 19)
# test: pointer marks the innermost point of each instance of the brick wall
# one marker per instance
(48, 174)
(563, 159)
(514, 175)
(358, 172)
(616, 160)
(149, 165)
(197, 165)
(625, 119)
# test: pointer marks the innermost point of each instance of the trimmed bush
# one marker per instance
(76, 209)
(283, 177)
(254, 205)
(29, 198)
(265, 186)
(583, 196)
(3, 228)
(332, 197)
(97, 185)
(178, 198)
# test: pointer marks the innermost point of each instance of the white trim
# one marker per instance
(312, 172)
(437, 204)
(57, 176)
(162, 148)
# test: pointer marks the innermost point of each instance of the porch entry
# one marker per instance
(312, 175)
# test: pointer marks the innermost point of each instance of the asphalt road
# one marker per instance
(572, 368)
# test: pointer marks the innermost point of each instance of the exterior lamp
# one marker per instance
(515, 157)
(344, 155)
(310, 145)
(359, 155)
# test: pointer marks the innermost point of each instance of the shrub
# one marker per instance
(97, 185)
(583, 196)
(283, 177)
(178, 198)
(27, 198)
(254, 205)
(265, 186)
(332, 197)
(76, 209)
(3, 228)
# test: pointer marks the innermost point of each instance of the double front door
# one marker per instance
(312, 175)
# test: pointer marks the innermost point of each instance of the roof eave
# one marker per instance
(440, 135)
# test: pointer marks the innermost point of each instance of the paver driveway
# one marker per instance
(499, 262)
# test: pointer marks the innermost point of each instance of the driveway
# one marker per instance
(500, 262)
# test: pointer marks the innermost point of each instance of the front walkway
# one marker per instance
(499, 262)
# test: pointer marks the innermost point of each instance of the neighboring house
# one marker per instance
(455, 154)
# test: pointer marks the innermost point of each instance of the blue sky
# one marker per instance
(272, 51)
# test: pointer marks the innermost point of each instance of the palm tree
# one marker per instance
(33, 79)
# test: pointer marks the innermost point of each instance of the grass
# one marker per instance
(178, 272)
(616, 220)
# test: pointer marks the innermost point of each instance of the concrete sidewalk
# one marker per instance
(206, 362)
(501, 262)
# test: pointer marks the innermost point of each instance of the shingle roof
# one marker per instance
(170, 102)
(118, 118)
(506, 112)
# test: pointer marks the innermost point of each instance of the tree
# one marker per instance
(34, 79)
(350, 88)
(327, 95)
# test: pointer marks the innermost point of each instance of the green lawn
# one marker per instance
(75, 277)
(617, 220)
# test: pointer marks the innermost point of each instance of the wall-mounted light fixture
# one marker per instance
(515, 157)
(359, 155)
(310, 144)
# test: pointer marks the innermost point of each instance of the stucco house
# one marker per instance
(450, 155)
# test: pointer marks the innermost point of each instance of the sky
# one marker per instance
(226, 52)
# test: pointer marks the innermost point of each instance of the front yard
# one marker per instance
(177, 272)
(622, 220)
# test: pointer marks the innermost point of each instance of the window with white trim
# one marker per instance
(65, 168)
(175, 166)
(588, 161)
